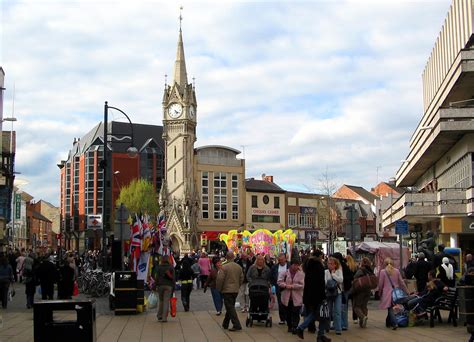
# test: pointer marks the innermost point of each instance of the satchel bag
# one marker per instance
(365, 282)
(397, 293)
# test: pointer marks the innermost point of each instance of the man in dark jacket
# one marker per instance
(421, 272)
(47, 275)
(313, 295)
(279, 270)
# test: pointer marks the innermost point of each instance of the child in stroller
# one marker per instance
(259, 305)
(258, 277)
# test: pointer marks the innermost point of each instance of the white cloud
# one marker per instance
(303, 85)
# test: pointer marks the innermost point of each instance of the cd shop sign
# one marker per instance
(268, 212)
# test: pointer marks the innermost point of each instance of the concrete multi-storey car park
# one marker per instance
(438, 170)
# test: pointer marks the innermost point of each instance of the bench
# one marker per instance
(447, 302)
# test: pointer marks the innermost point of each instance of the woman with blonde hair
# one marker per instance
(389, 278)
(334, 287)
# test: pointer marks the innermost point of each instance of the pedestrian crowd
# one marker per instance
(42, 272)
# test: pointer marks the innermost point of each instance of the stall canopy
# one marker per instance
(382, 250)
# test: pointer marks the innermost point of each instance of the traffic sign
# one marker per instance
(401, 227)
(353, 232)
(94, 221)
(352, 214)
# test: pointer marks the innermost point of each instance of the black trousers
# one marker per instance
(4, 285)
(281, 307)
(186, 294)
(47, 291)
(230, 313)
(292, 315)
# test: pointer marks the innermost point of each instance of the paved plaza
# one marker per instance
(201, 324)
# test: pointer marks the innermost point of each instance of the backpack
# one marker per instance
(331, 288)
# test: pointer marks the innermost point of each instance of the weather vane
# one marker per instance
(180, 16)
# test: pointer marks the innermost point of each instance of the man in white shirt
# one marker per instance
(278, 271)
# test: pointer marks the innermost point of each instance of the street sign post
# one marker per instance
(401, 228)
(121, 218)
(352, 228)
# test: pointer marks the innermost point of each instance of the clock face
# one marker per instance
(192, 112)
(175, 110)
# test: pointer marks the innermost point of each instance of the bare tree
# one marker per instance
(328, 186)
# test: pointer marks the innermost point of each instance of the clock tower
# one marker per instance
(178, 195)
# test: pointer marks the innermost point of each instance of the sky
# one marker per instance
(302, 88)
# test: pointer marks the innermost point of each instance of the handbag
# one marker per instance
(365, 282)
(397, 293)
(173, 306)
(324, 312)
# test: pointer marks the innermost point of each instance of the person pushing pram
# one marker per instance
(258, 277)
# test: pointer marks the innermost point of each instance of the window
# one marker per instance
(291, 220)
(306, 220)
(175, 152)
(235, 197)
(254, 202)
(220, 196)
(265, 219)
(266, 199)
(175, 175)
(205, 195)
(277, 202)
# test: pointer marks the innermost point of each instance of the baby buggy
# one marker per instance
(259, 306)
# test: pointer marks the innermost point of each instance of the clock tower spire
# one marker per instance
(178, 196)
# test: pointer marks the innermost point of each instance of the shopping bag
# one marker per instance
(75, 291)
(324, 312)
(152, 300)
(173, 306)
(11, 293)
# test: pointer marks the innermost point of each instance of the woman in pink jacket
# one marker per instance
(386, 275)
(291, 285)
(205, 266)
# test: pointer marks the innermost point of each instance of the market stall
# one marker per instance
(378, 251)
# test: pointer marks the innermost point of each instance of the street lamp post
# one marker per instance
(12, 169)
(132, 152)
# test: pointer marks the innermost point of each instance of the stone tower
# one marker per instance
(178, 195)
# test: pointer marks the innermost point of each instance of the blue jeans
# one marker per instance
(217, 298)
(335, 305)
(345, 311)
(309, 317)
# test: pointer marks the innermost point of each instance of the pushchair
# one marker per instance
(259, 306)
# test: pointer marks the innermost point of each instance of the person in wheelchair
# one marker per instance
(435, 288)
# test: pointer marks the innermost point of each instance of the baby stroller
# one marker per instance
(259, 309)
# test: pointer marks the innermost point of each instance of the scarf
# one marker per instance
(449, 270)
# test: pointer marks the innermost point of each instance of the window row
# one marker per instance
(220, 196)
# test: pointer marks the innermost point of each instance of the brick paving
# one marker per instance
(201, 324)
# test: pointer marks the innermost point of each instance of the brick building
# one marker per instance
(82, 176)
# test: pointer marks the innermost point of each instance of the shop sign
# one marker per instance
(269, 212)
(94, 221)
(307, 211)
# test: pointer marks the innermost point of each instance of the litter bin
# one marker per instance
(125, 293)
(82, 329)
(466, 307)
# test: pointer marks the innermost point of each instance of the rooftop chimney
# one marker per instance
(268, 179)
